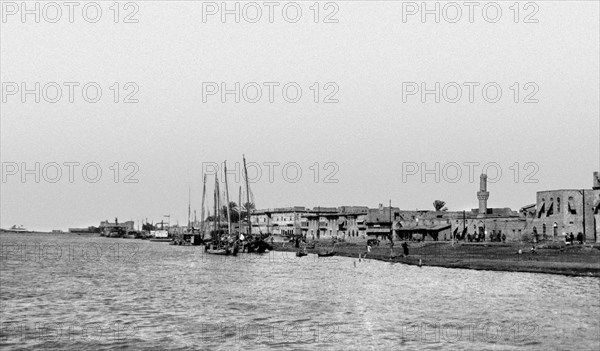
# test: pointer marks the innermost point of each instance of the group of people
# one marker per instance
(570, 238)
(498, 237)
(477, 237)
(404, 249)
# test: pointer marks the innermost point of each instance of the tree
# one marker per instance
(233, 212)
(247, 206)
(439, 205)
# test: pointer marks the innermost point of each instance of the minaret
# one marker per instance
(483, 194)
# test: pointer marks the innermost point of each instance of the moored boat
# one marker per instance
(220, 251)
(15, 229)
(160, 240)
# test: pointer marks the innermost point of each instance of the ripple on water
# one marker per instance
(179, 298)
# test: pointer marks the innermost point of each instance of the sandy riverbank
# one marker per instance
(577, 260)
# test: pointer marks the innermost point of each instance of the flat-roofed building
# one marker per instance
(565, 211)
(283, 221)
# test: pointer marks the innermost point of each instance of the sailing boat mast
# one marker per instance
(247, 198)
(215, 209)
(202, 209)
(218, 213)
(227, 204)
(189, 208)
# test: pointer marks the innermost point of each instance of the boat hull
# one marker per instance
(160, 240)
(217, 252)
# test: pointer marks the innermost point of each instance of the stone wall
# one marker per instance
(560, 212)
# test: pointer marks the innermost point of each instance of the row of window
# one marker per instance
(558, 207)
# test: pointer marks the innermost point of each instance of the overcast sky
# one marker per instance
(368, 141)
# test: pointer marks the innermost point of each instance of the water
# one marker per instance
(92, 293)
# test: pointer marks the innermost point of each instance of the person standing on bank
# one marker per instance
(405, 248)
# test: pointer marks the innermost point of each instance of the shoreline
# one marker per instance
(551, 258)
(577, 261)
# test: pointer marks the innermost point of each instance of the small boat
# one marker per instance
(218, 251)
(301, 253)
(326, 254)
(115, 233)
(15, 229)
(160, 240)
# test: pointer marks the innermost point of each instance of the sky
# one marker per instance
(342, 111)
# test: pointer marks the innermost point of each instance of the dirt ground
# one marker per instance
(554, 258)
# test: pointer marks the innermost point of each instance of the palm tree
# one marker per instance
(233, 211)
(248, 206)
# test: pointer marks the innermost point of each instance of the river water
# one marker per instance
(62, 291)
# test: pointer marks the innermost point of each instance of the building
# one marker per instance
(352, 223)
(555, 213)
(125, 227)
(379, 222)
(284, 222)
(320, 223)
(347, 223)
(437, 232)
(487, 224)
(565, 211)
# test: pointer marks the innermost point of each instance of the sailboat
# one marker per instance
(219, 245)
(216, 246)
(234, 242)
(255, 243)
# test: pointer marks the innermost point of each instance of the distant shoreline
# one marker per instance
(551, 258)
(578, 260)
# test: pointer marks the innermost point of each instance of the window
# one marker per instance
(558, 204)
(542, 208)
(550, 207)
(571, 206)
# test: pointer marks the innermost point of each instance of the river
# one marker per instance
(71, 292)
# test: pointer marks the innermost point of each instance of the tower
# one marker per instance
(483, 194)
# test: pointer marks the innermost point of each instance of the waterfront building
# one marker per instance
(352, 223)
(107, 227)
(380, 220)
(284, 222)
(345, 223)
(564, 211)
(320, 223)
(486, 223)
(554, 213)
